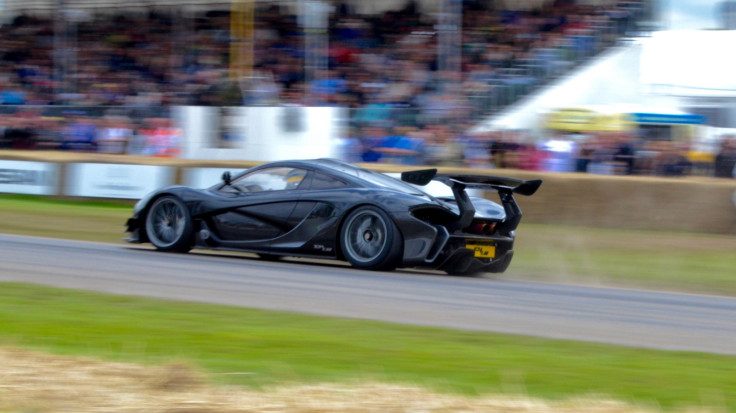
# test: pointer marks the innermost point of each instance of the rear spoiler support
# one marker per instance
(513, 212)
(466, 208)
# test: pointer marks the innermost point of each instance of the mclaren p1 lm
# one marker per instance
(326, 208)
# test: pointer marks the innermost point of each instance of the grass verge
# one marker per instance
(673, 261)
(73, 219)
(262, 348)
(688, 262)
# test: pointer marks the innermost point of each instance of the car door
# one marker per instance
(255, 207)
(313, 221)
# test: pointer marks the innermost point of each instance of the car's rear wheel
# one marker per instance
(169, 225)
(370, 240)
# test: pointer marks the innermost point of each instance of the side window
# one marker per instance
(322, 181)
(270, 179)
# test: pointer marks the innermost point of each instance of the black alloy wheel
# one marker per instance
(370, 240)
(169, 225)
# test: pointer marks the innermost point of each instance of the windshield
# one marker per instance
(377, 178)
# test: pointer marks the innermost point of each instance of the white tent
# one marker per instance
(672, 72)
(609, 80)
(691, 63)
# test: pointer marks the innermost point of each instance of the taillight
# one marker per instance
(482, 228)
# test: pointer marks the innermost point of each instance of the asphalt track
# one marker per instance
(616, 316)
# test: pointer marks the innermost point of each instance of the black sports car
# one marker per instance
(326, 208)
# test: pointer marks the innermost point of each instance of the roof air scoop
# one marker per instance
(419, 177)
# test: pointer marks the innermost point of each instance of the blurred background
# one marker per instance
(597, 86)
(104, 99)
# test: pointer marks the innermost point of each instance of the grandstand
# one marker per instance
(363, 7)
(506, 51)
(426, 69)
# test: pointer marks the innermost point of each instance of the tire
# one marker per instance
(169, 225)
(370, 240)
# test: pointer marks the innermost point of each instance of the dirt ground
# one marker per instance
(39, 383)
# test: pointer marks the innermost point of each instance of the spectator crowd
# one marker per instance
(385, 68)
(609, 153)
(388, 60)
(76, 130)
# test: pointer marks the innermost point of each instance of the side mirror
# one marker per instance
(226, 178)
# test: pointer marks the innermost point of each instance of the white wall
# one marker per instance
(259, 133)
(115, 180)
(35, 178)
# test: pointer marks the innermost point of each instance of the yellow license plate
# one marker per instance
(482, 250)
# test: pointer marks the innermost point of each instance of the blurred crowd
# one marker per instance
(725, 161)
(373, 62)
(608, 153)
(76, 130)
(385, 68)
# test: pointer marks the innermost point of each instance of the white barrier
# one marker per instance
(32, 178)
(259, 133)
(98, 180)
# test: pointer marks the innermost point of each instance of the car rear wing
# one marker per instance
(505, 186)
(500, 183)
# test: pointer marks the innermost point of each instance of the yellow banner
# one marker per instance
(587, 120)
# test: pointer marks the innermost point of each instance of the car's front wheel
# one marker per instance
(370, 240)
(169, 225)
